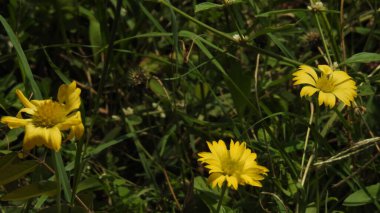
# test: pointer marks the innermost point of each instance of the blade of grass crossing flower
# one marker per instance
(24, 65)
(62, 175)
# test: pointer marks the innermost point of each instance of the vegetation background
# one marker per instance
(161, 78)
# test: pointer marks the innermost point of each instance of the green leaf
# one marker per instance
(363, 57)
(61, 174)
(88, 183)
(360, 197)
(286, 11)
(365, 89)
(5, 160)
(24, 65)
(158, 88)
(94, 31)
(206, 6)
(15, 171)
(165, 139)
(108, 144)
(33, 190)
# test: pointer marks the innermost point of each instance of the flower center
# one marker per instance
(325, 84)
(48, 114)
(231, 167)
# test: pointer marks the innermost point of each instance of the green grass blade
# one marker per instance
(62, 175)
(24, 65)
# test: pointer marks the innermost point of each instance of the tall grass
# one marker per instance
(160, 78)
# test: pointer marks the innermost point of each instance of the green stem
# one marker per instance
(59, 189)
(323, 39)
(228, 37)
(224, 188)
(307, 137)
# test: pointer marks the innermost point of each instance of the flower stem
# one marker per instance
(224, 188)
(307, 137)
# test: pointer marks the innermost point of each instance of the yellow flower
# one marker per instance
(331, 85)
(44, 120)
(236, 166)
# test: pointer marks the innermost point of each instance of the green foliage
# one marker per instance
(160, 78)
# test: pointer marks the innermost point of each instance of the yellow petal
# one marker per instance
(309, 70)
(221, 180)
(244, 156)
(37, 136)
(232, 181)
(236, 150)
(69, 95)
(76, 131)
(339, 76)
(54, 138)
(345, 96)
(69, 122)
(32, 137)
(218, 148)
(214, 168)
(308, 90)
(348, 84)
(321, 98)
(330, 100)
(304, 79)
(23, 99)
(29, 111)
(212, 179)
(14, 122)
(325, 69)
(216, 179)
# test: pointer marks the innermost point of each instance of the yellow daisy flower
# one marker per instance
(44, 120)
(235, 166)
(330, 85)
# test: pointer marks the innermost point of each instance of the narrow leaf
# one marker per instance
(62, 175)
(5, 160)
(24, 65)
(206, 6)
(30, 191)
(363, 57)
(360, 197)
(15, 171)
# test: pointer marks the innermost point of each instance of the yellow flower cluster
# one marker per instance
(45, 120)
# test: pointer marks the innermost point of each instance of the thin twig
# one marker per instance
(171, 189)
(357, 171)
